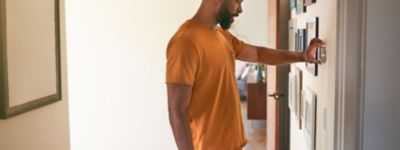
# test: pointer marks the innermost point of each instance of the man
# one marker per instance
(203, 99)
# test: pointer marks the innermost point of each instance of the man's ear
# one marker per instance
(218, 3)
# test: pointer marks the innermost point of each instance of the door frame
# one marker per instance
(350, 75)
(281, 42)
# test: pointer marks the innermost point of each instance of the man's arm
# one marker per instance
(179, 96)
(275, 57)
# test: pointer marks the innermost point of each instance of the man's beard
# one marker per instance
(224, 18)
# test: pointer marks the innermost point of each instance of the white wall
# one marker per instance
(324, 84)
(116, 54)
(251, 25)
(45, 128)
(381, 113)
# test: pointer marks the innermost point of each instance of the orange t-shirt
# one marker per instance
(205, 59)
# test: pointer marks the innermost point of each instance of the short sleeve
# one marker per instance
(237, 44)
(182, 62)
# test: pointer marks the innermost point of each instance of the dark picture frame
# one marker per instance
(309, 2)
(8, 106)
(312, 32)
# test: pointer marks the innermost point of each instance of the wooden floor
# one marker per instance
(255, 131)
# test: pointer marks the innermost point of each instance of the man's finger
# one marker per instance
(317, 40)
(314, 61)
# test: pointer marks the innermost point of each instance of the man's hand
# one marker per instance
(309, 54)
(277, 57)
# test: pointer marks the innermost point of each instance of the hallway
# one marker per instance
(255, 131)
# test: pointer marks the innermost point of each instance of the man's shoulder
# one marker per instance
(186, 33)
(183, 36)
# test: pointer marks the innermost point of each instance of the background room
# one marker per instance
(90, 74)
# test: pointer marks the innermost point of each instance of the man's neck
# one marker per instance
(205, 17)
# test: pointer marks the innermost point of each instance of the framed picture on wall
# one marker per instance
(293, 4)
(30, 56)
(309, 2)
(292, 34)
(298, 88)
(292, 92)
(309, 117)
(300, 8)
(295, 98)
(301, 40)
(312, 32)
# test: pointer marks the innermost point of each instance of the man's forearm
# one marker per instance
(276, 57)
(181, 129)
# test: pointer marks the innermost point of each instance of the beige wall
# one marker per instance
(45, 128)
(381, 105)
(324, 84)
